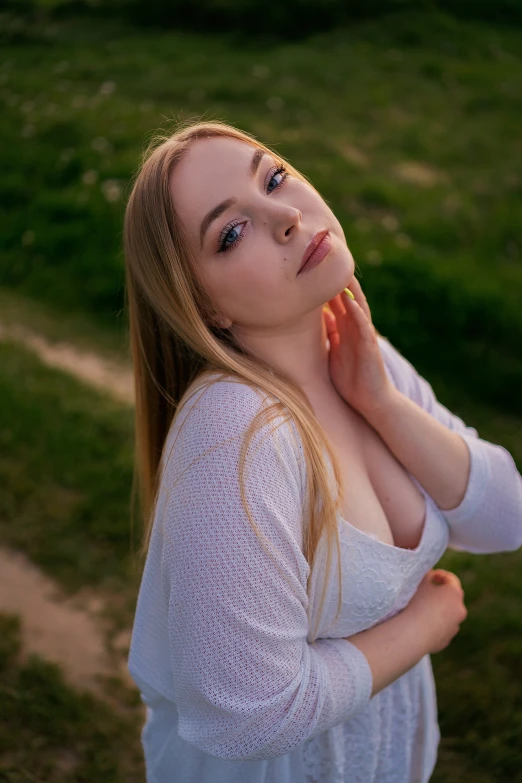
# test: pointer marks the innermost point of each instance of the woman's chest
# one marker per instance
(375, 581)
(390, 534)
(379, 496)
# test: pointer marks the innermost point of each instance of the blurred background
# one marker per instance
(406, 116)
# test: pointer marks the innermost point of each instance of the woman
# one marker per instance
(270, 429)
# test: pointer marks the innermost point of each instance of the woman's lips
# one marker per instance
(322, 243)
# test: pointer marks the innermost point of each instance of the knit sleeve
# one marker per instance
(248, 685)
(489, 517)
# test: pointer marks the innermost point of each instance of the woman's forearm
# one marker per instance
(437, 457)
(393, 647)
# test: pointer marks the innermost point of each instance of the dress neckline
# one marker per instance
(377, 540)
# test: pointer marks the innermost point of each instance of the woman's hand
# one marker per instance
(356, 366)
(439, 605)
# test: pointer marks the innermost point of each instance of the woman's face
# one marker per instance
(249, 224)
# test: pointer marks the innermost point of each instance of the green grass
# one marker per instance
(437, 245)
(479, 689)
(65, 473)
(50, 732)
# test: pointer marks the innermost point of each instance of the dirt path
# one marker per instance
(109, 376)
(52, 625)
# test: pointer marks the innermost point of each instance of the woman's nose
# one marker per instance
(288, 218)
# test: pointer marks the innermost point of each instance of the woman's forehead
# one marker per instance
(210, 170)
(204, 158)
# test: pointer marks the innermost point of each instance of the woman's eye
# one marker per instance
(274, 178)
(230, 237)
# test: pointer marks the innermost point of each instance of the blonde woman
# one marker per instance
(299, 482)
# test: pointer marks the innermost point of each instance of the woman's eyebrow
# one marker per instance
(215, 212)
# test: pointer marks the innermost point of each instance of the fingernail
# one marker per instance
(347, 291)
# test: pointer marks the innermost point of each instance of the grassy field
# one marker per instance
(408, 126)
(60, 735)
(66, 459)
(411, 130)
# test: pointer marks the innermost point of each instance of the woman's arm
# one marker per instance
(429, 440)
(427, 625)
(437, 457)
(393, 647)
(373, 377)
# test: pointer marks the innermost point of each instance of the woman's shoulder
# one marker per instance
(219, 395)
(219, 408)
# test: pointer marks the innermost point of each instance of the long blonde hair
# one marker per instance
(172, 343)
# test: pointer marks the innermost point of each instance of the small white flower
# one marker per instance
(90, 177)
(112, 189)
(107, 88)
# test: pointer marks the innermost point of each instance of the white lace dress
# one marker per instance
(395, 738)
(220, 649)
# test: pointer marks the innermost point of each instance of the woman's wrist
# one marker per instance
(378, 411)
(393, 647)
(434, 454)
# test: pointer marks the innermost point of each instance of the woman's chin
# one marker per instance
(340, 274)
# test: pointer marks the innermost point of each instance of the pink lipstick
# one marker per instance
(316, 250)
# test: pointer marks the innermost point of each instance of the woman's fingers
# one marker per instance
(357, 314)
(360, 298)
(348, 313)
(340, 304)
(331, 328)
(336, 306)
